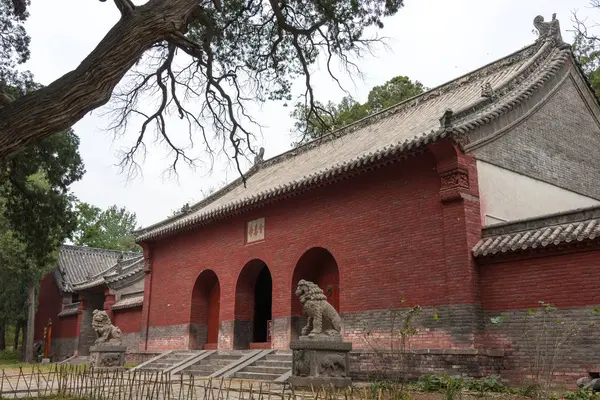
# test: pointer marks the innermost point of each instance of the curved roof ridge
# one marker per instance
(516, 69)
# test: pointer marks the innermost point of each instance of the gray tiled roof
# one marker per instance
(84, 267)
(391, 133)
(125, 269)
(129, 302)
(551, 230)
(69, 309)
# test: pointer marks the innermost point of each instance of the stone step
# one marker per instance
(225, 356)
(279, 357)
(148, 368)
(266, 370)
(271, 363)
(215, 362)
(257, 376)
(196, 373)
(160, 363)
(202, 368)
(178, 357)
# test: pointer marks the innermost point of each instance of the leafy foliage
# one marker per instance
(215, 56)
(587, 51)
(107, 229)
(335, 116)
(586, 47)
(35, 217)
(37, 197)
(14, 48)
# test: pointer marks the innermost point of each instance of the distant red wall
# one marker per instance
(67, 327)
(49, 305)
(128, 320)
(565, 280)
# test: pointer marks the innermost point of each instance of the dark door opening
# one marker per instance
(262, 305)
(213, 314)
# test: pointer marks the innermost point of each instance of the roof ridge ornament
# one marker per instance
(487, 91)
(548, 30)
(258, 159)
(446, 119)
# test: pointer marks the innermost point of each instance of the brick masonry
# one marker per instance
(139, 356)
(443, 327)
(382, 253)
(510, 286)
(558, 143)
(169, 337)
(376, 365)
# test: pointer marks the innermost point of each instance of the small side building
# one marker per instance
(86, 279)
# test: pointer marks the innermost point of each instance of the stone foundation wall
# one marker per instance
(131, 341)
(62, 348)
(168, 337)
(444, 327)
(139, 356)
(368, 365)
(532, 336)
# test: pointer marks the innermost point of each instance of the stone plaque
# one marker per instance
(255, 230)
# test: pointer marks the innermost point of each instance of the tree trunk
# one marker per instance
(30, 323)
(65, 101)
(17, 332)
(23, 341)
(2, 335)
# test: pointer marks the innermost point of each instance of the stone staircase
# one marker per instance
(214, 362)
(270, 368)
(263, 365)
(167, 361)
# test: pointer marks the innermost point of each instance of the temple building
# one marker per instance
(86, 279)
(476, 199)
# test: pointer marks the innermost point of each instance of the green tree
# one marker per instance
(106, 229)
(586, 48)
(221, 55)
(332, 117)
(35, 218)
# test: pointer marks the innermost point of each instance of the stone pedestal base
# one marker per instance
(319, 362)
(107, 356)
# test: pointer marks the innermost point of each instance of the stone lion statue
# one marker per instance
(107, 333)
(322, 317)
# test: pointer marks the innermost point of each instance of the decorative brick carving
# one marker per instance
(454, 182)
(147, 263)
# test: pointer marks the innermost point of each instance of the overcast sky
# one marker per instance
(432, 41)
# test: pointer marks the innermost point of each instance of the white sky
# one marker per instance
(432, 41)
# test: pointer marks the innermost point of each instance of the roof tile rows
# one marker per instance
(69, 309)
(399, 129)
(553, 230)
(85, 267)
(129, 302)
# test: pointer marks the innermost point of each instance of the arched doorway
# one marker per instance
(253, 303)
(204, 318)
(319, 266)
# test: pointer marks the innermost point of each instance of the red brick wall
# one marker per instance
(67, 327)
(384, 228)
(565, 280)
(129, 320)
(49, 305)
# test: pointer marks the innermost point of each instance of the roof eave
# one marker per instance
(511, 98)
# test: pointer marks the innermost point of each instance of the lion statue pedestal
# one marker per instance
(320, 355)
(107, 350)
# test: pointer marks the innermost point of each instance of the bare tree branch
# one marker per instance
(202, 60)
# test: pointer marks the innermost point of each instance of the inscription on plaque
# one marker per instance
(255, 230)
